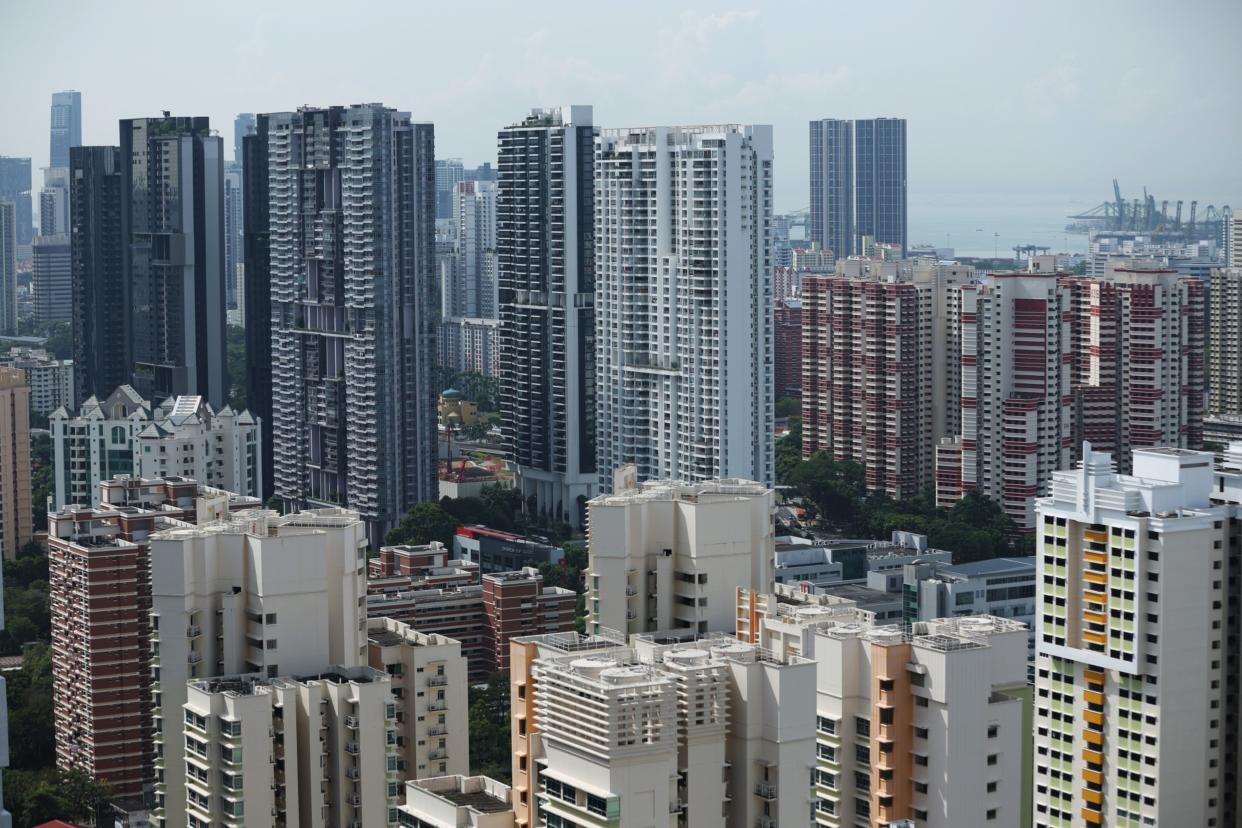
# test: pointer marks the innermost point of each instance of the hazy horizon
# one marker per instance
(1005, 102)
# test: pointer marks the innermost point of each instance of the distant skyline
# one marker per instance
(1051, 99)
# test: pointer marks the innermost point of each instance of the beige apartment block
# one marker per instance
(15, 508)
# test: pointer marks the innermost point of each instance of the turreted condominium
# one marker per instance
(683, 302)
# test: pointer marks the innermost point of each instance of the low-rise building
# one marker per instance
(457, 802)
(833, 561)
(496, 551)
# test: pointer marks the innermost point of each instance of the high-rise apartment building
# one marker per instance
(1224, 369)
(101, 292)
(1138, 359)
(787, 347)
(881, 366)
(306, 749)
(449, 172)
(545, 271)
(100, 590)
(340, 245)
(669, 555)
(15, 186)
(1016, 400)
(51, 380)
(926, 726)
(15, 513)
(255, 294)
(683, 302)
(257, 593)
(470, 344)
(243, 125)
(172, 218)
(1136, 704)
(8, 268)
(180, 437)
(664, 732)
(66, 126)
(858, 184)
(428, 680)
(233, 239)
(53, 279)
(468, 294)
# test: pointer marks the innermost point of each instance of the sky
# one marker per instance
(1006, 101)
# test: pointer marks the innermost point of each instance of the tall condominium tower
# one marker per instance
(66, 126)
(8, 268)
(54, 202)
(1016, 402)
(15, 184)
(858, 183)
(233, 221)
(1137, 659)
(668, 555)
(15, 509)
(449, 173)
(473, 293)
(254, 295)
(172, 231)
(545, 263)
(1224, 370)
(683, 262)
(101, 293)
(341, 207)
(1138, 359)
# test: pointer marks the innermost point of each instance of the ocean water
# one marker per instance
(988, 224)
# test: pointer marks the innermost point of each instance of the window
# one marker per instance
(862, 726)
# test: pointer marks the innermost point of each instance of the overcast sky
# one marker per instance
(1041, 97)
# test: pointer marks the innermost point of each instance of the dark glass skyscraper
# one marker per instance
(15, 187)
(256, 292)
(340, 241)
(101, 294)
(545, 261)
(172, 227)
(858, 183)
(66, 126)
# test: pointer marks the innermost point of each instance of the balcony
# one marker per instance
(351, 748)
(351, 722)
(437, 704)
(193, 631)
(439, 753)
(352, 773)
(765, 790)
(193, 657)
(436, 680)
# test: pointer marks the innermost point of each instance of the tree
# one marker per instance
(59, 340)
(423, 524)
(490, 747)
(42, 480)
(789, 452)
(235, 344)
(788, 407)
(37, 796)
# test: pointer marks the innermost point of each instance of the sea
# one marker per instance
(992, 224)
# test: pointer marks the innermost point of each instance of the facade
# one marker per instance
(473, 292)
(470, 344)
(243, 125)
(449, 172)
(255, 297)
(66, 122)
(15, 186)
(308, 749)
(352, 349)
(417, 586)
(181, 437)
(53, 279)
(684, 308)
(495, 551)
(787, 347)
(926, 726)
(1016, 401)
(257, 593)
(881, 367)
(669, 555)
(51, 381)
(1224, 367)
(1136, 674)
(15, 508)
(8, 268)
(1138, 359)
(427, 678)
(711, 731)
(233, 235)
(456, 802)
(54, 201)
(101, 292)
(172, 218)
(858, 184)
(100, 591)
(545, 273)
